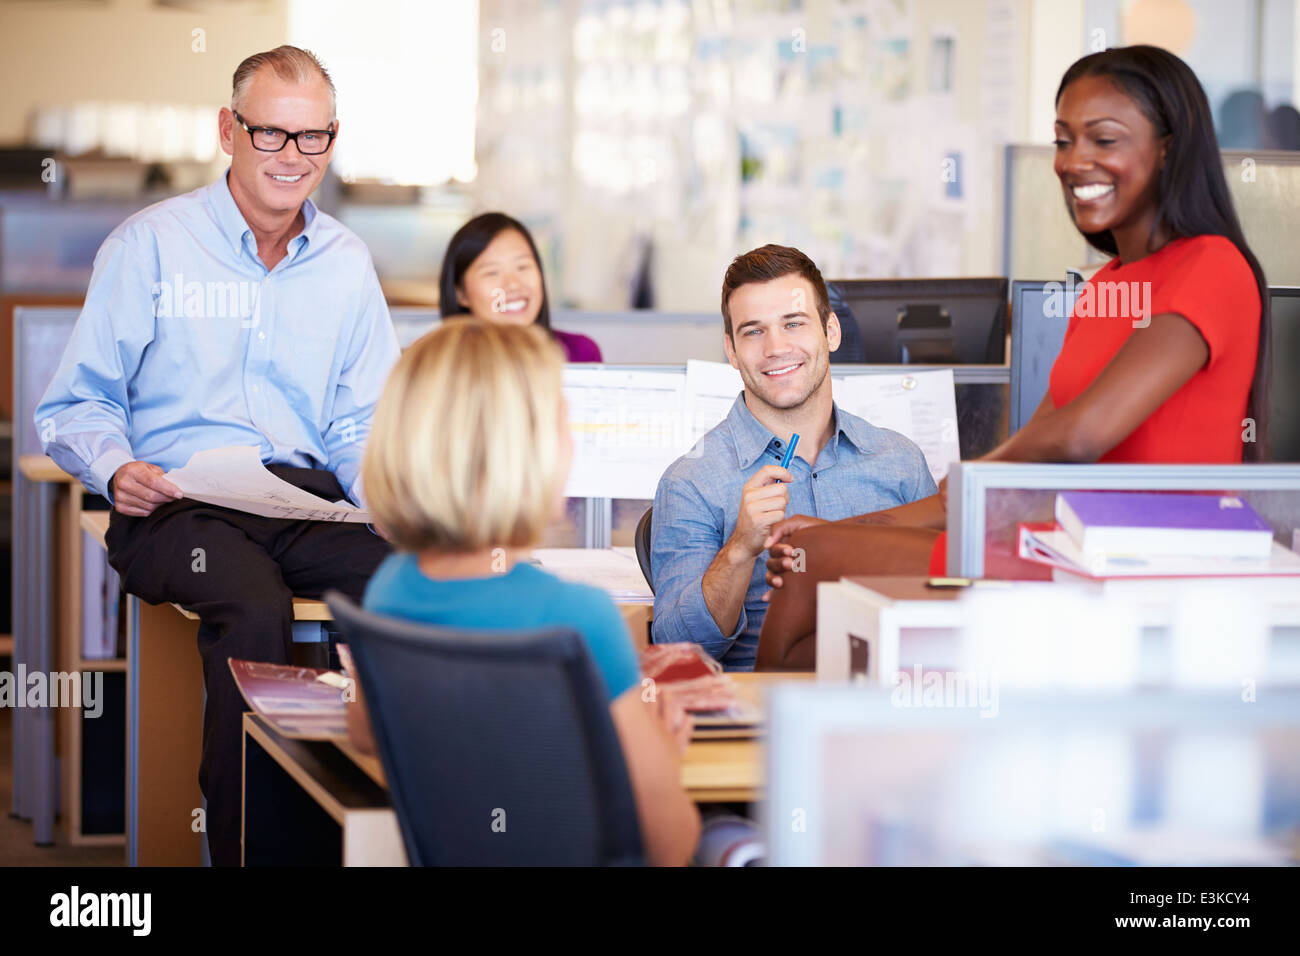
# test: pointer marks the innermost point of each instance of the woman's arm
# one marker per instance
(831, 551)
(670, 823)
(1150, 367)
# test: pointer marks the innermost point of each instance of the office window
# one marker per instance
(407, 78)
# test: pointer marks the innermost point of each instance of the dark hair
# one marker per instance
(1192, 197)
(765, 264)
(467, 245)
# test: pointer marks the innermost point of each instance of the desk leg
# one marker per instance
(164, 736)
(24, 617)
(39, 723)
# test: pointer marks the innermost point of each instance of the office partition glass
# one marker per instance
(987, 502)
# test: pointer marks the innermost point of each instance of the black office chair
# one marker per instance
(642, 542)
(498, 747)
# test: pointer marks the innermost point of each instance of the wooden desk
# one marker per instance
(165, 723)
(315, 795)
(731, 771)
(713, 771)
(306, 803)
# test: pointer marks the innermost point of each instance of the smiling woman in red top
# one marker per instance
(1166, 355)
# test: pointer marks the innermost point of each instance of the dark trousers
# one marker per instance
(251, 569)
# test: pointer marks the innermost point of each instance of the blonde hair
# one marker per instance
(464, 450)
(289, 63)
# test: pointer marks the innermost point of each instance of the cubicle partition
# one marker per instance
(981, 393)
(39, 339)
(987, 501)
(625, 338)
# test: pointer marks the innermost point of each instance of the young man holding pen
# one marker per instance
(716, 505)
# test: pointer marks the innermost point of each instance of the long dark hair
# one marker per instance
(1192, 197)
(467, 245)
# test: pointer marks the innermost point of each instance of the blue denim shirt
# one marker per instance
(862, 469)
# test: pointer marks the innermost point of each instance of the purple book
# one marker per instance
(1160, 523)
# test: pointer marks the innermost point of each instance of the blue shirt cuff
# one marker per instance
(693, 622)
(103, 468)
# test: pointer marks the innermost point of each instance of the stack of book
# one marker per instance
(1120, 534)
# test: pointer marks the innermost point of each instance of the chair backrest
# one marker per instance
(642, 542)
(498, 748)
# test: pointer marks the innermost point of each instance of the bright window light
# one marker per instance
(407, 78)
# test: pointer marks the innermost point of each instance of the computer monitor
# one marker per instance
(1284, 396)
(1040, 312)
(930, 321)
(1038, 322)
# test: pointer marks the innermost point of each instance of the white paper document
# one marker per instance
(613, 570)
(235, 478)
(919, 405)
(711, 390)
(627, 429)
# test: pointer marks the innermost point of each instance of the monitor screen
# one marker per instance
(1038, 322)
(943, 321)
(1040, 312)
(1284, 397)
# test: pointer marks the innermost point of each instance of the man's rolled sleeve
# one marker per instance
(686, 537)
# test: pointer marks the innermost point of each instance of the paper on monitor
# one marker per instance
(614, 570)
(919, 405)
(235, 478)
(711, 390)
(627, 430)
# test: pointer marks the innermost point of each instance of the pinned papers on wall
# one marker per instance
(919, 405)
(711, 390)
(628, 427)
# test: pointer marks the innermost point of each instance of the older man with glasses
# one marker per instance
(237, 314)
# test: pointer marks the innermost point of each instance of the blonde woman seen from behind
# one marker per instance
(465, 466)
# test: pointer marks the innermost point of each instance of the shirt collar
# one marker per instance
(235, 228)
(752, 438)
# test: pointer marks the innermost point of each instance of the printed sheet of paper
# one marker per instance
(920, 405)
(613, 570)
(711, 390)
(235, 478)
(627, 429)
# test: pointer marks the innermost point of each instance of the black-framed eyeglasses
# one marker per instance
(269, 139)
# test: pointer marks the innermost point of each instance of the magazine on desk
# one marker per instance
(1046, 543)
(718, 705)
(302, 703)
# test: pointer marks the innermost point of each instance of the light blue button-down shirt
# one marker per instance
(861, 469)
(187, 342)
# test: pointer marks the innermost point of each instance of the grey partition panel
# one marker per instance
(1041, 240)
(648, 338)
(48, 245)
(40, 336)
(625, 338)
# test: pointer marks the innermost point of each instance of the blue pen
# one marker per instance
(789, 451)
